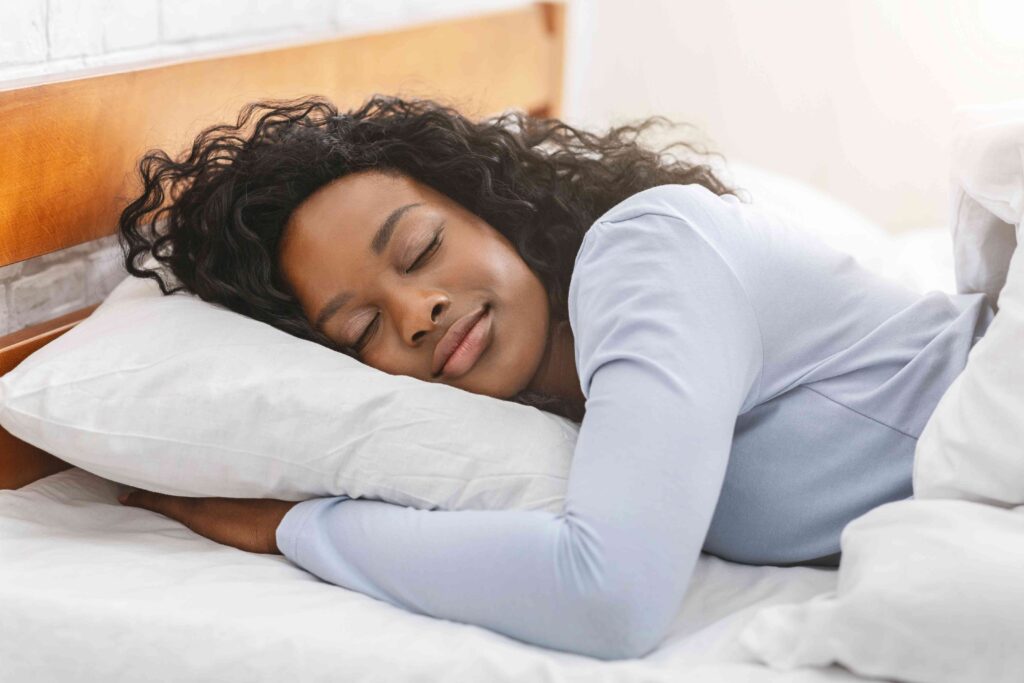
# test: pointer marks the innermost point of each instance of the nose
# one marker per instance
(422, 315)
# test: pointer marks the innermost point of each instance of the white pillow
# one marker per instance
(177, 395)
(987, 174)
(972, 446)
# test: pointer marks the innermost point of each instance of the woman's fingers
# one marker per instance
(127, 497)
(138, 498)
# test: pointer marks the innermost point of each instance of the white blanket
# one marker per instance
(987, 193)
(930, 590)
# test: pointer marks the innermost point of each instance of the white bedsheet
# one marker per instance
(92, 590)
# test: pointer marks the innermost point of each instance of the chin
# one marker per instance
(503, 381)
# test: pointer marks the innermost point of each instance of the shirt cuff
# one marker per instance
(293, 527)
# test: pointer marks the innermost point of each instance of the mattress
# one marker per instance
(92, 590)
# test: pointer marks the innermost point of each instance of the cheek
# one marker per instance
(511, 269)
(522, 327)
(500, 268)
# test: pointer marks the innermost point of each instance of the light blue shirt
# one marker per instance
(750, 390)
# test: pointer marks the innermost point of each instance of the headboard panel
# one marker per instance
(68, 150)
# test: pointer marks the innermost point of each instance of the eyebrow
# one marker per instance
(378, 244)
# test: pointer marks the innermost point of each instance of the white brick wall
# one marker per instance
(180, 24)
(77, 29)
(42, 40)
(23, 33)
(45, 40)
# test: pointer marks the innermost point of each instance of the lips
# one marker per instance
(453, 337)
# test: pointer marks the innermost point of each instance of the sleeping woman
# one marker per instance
(742, 388)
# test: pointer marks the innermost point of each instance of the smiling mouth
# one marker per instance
(464, 345)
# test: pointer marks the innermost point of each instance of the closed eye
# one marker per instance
(435, 243)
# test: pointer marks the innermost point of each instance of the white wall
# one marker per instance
(854, 96)
(44, 40)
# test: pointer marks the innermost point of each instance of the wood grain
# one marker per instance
(68, 150)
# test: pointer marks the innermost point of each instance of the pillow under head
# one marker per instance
(177, 395)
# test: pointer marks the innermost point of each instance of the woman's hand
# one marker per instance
(245, 523)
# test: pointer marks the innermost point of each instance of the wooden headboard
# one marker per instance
(68, 150)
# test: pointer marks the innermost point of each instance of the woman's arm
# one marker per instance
(668, 350)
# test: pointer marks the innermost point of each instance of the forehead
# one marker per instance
(342, 216)
(352, 204)
(330, 232)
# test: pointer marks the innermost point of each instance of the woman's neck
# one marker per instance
(557, 374)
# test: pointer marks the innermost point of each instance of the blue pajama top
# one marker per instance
(749, 390)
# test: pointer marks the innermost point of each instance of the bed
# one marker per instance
(92, 590)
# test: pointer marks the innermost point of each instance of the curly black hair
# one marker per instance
(214, 216)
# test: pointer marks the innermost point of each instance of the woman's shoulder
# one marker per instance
(665, 219)
(665, 234)
(647, 282)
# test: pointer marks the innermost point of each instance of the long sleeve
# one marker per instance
(668, 352)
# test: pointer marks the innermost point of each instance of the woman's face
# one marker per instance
(386, 265)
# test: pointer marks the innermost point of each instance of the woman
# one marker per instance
(747, 390)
